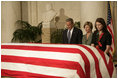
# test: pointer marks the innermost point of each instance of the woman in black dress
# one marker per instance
(101, 37)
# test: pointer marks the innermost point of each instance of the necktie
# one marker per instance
(69, 37)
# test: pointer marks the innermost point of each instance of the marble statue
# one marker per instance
(49, 14)
(48, 23)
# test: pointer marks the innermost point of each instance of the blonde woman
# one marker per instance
(87, 38)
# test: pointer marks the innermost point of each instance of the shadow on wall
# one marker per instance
(61, 19)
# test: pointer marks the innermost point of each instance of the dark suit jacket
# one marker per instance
(76, 37)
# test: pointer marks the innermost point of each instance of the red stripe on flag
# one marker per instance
(103, 56)
(110, 65)
(40, 61)
(111, 32)
(111, 49)
(87, 63)
(80, 71)
(39, 48)
(55, 49)
(112, 24)
(21, 74)
(96, 61)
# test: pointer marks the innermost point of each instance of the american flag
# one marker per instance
(110, 28)
(28, 60)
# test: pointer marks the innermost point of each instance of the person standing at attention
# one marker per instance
(87, 38)
(72, 35)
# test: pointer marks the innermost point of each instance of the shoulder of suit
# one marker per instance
(76, 29)
(65, 30)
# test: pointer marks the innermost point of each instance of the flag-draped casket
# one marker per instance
(29, 60)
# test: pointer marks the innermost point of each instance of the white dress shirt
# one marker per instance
(71, 31)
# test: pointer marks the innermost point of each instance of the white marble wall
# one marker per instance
(33, 13)
(91, 10)
(10, 13)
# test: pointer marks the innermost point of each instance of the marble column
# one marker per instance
(46, 33)
(33, 13)
(91, 10)
(10, 13)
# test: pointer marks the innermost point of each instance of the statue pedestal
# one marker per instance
(46, 33)
(47, 18)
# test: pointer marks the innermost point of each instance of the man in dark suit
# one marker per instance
(72, 35)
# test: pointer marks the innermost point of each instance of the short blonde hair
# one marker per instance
(89, 24)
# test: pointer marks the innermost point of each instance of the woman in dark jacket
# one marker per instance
(101, 37)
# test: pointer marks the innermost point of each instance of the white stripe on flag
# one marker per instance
(103, 69)
(45, 54)
(112, 32)
(111, 27)
(91, 60)
(89, 56)
(114, 75)
(42, 45)
(39, 69)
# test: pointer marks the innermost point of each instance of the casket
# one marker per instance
(30, 60)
